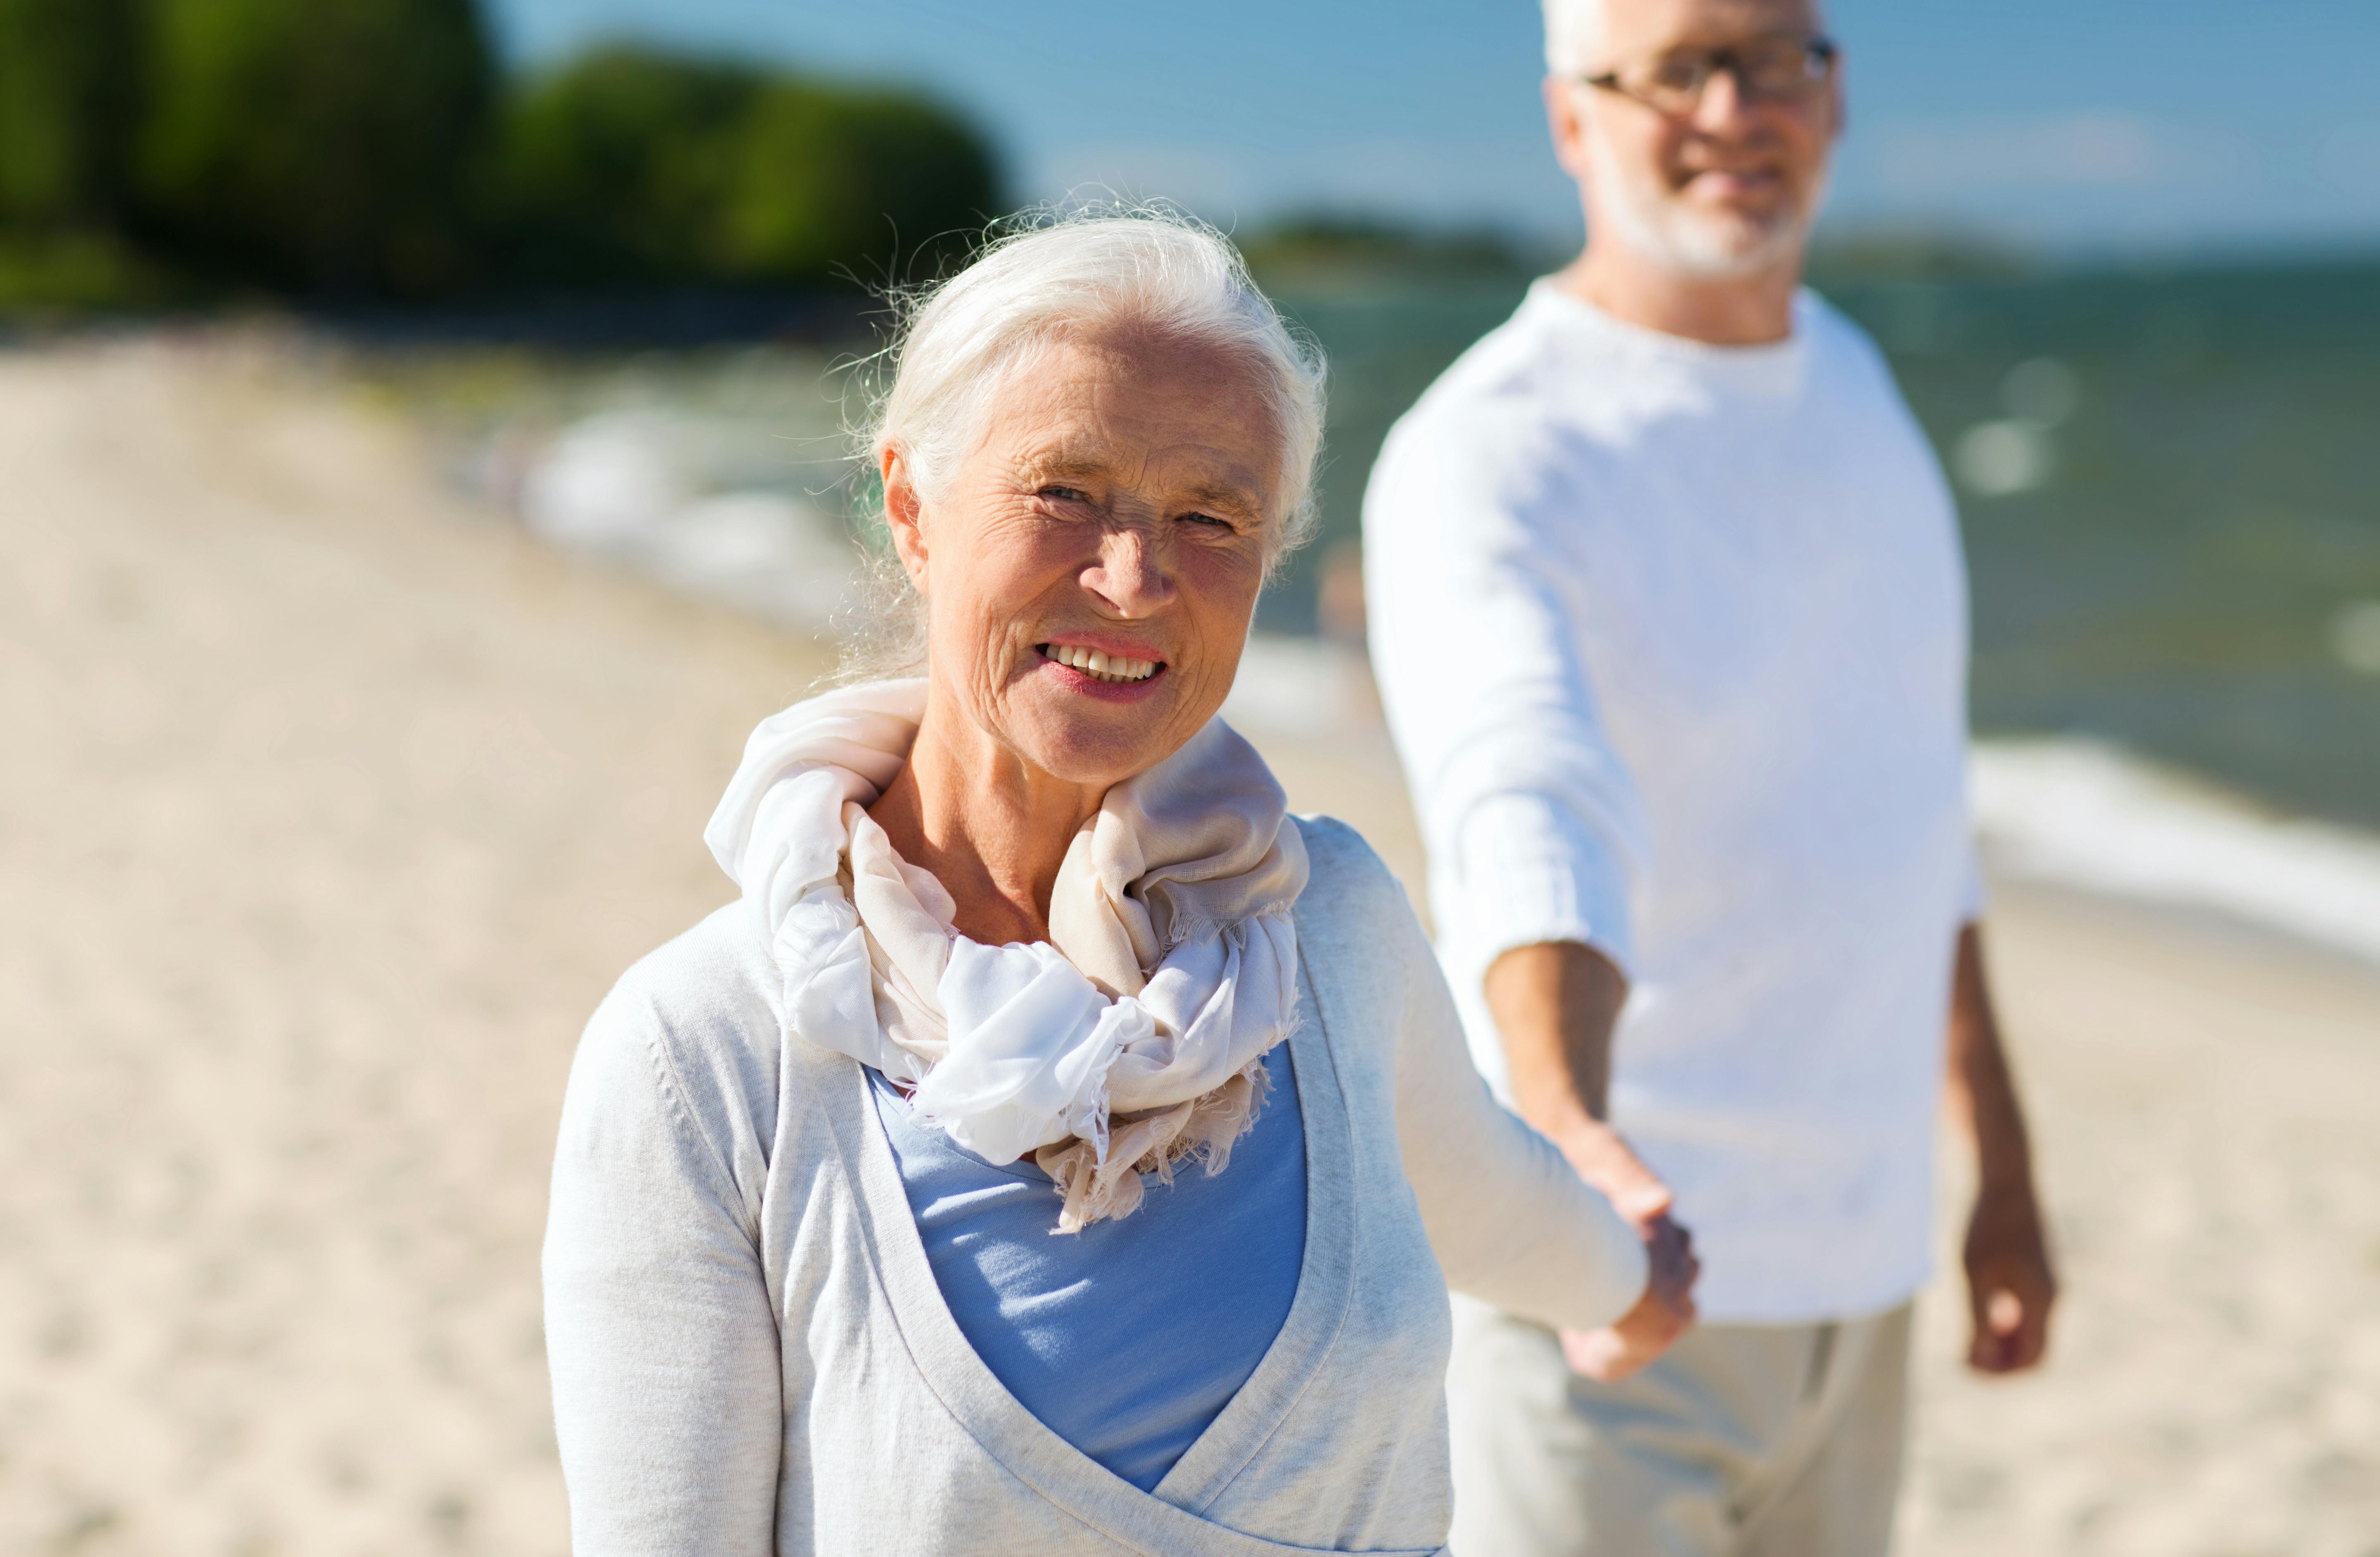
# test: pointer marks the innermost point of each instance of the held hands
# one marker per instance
(1556, 1006)
(2010, 1288)
(1666, 1309)
(2010, 1284)
(1664, 1313)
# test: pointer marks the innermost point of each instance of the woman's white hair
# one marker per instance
(1573, 33)
(1050, 276)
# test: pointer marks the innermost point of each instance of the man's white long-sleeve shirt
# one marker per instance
(1672, 642)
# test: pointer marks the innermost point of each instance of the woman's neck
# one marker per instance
(992, 828)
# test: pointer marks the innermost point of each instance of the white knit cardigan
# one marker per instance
(750, 1355)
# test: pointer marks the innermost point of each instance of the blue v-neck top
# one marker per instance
(1127, 1338)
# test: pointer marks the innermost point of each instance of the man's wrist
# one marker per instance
(1576, 1133)
(2003, 1160)
(2010, 1183)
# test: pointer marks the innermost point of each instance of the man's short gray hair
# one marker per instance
(1573, 33)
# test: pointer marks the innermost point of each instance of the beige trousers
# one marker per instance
(1743, 1440)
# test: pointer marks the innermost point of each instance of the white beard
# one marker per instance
(1666, 230)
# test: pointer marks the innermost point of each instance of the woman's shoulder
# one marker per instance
(1363, 960)
(697, 1019)
(717, 967)
(1350, 896)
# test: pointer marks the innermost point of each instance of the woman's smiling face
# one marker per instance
(1092, 564)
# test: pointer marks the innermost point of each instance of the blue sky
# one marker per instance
(2068, 126)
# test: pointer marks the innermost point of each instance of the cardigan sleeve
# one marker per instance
(660, 1333)
(1511, 1220)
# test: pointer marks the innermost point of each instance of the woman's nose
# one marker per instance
(1130, 574)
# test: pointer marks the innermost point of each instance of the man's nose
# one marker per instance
(1131, 574)
(1724, 105)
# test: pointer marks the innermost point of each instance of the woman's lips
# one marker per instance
(1102, 664)
(1101, 683)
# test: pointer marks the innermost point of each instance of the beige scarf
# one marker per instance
(1132, 1042)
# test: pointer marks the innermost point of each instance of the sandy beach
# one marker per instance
(330, 805)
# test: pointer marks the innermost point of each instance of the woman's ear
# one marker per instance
(905, 516)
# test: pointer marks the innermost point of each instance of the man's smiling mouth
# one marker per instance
(1099, 666)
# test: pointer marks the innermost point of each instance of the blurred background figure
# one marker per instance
(1670, 629)
(422, 458)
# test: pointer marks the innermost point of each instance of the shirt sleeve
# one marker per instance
(1511, 1220)
(1531, 819)
(660, 1335)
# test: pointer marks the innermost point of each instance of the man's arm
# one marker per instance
(1555, 1007)
(2010, 1287)
(1531, 820)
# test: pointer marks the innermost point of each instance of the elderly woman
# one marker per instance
(1058, 1148)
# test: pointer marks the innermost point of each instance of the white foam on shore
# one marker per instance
(632, 485)
(2088, 815)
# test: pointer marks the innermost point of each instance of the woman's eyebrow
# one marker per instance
(1064, 462)
(1231, 492)
(1216, 494)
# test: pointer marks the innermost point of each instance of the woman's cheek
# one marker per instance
(1226, 581)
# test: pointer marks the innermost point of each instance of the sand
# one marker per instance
(329, 807)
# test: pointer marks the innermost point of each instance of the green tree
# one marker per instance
(321, 145)
(613, 167)
(66, 96)
(873, 184)
(629, 164)
(350, 147)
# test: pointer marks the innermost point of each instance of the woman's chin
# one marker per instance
(1089, 731)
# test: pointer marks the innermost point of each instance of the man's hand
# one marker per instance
(1555, 1006)
(2009, 1286)
(1664, 1313)
(1667, 1311)
(1605, 1159)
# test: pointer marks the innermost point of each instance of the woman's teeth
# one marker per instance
(1102, 667)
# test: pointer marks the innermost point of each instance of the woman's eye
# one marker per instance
(1207, 520)
(1065, 494)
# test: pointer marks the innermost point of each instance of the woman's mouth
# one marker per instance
(1112, 668)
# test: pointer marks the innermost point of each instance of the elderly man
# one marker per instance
(1669, 620)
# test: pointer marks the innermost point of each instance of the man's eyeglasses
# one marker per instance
(1765, 70)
